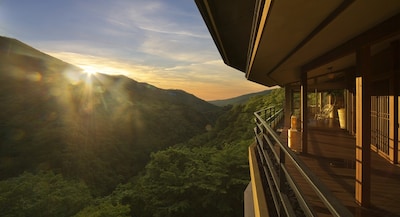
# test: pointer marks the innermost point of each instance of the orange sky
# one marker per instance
(224, 82)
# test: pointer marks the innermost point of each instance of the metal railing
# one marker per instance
(287, 198)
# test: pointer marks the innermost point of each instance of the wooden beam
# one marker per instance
(327, 86)
(385, 30)
(363, 128)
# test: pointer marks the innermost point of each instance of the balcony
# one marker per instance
(323, 47)
(319, 183)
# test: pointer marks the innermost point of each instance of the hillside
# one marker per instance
(73, 144)
(238, 100)
(95, 128)
(204, 176)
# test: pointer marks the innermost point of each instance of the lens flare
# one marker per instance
(89, 70)
(90, 73)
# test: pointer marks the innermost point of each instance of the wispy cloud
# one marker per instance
(164, 43)
(166, 31)
(159, 17)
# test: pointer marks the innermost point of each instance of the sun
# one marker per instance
(90, 70)
(90, 73)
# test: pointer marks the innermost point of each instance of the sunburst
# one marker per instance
(90, 73)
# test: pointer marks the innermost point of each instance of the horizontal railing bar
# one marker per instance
(302, 201)
(273, 173)
(291, 182)
(287, 206)
(271, 183)
(272, 147)
(275, 178)
(323, 193)
(258, 138)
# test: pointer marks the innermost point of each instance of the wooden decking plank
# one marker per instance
(331, 156)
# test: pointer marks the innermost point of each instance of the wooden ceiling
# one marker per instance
(274, 42)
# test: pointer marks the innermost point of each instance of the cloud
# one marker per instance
(159, 17)
(150, 32)
(164, 43)
(167, 31)
(155, 33)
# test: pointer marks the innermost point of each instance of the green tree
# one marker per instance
(42, 194)
(192, 182)
(105, 209)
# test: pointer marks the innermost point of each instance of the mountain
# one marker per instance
(98, 128)
(74, 144)
(239, 99)
(204, 176)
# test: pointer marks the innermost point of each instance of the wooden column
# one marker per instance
(363, 128)
(304, 113)
(354, 113)
(288, 105)
(350, 104)
(394, 104)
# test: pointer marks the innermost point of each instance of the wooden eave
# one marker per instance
(229, 23)
(288, 38)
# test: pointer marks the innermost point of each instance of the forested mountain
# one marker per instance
(54, 116)
(204, 176)
(74, 144)
(238, 100)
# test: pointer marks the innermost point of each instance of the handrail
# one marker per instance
(272, 115)
(279, 179)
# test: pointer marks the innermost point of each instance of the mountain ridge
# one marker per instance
(56, 117)
(238, 99)
(74, 144)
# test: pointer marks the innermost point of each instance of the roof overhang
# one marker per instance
(229, 23)
(286, 38)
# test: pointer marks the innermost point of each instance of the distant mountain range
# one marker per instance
(239, 99)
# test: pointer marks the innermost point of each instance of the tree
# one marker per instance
(105, 209)
(42, 194)
(192, 182)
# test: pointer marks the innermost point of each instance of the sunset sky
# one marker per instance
(162, 42)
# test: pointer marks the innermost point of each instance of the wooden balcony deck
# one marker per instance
(332, 158)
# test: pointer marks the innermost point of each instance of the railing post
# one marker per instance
(265, 115)
(264, 141)
(275, 119)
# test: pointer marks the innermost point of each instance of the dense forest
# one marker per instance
(74, 144)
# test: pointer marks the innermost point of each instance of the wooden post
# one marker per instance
(304, 113)
(363, 128)
(288, 105)
(350, 104)
(394, 104)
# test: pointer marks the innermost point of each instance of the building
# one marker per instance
(315, 48)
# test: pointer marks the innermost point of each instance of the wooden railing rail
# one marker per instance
(288, 200)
